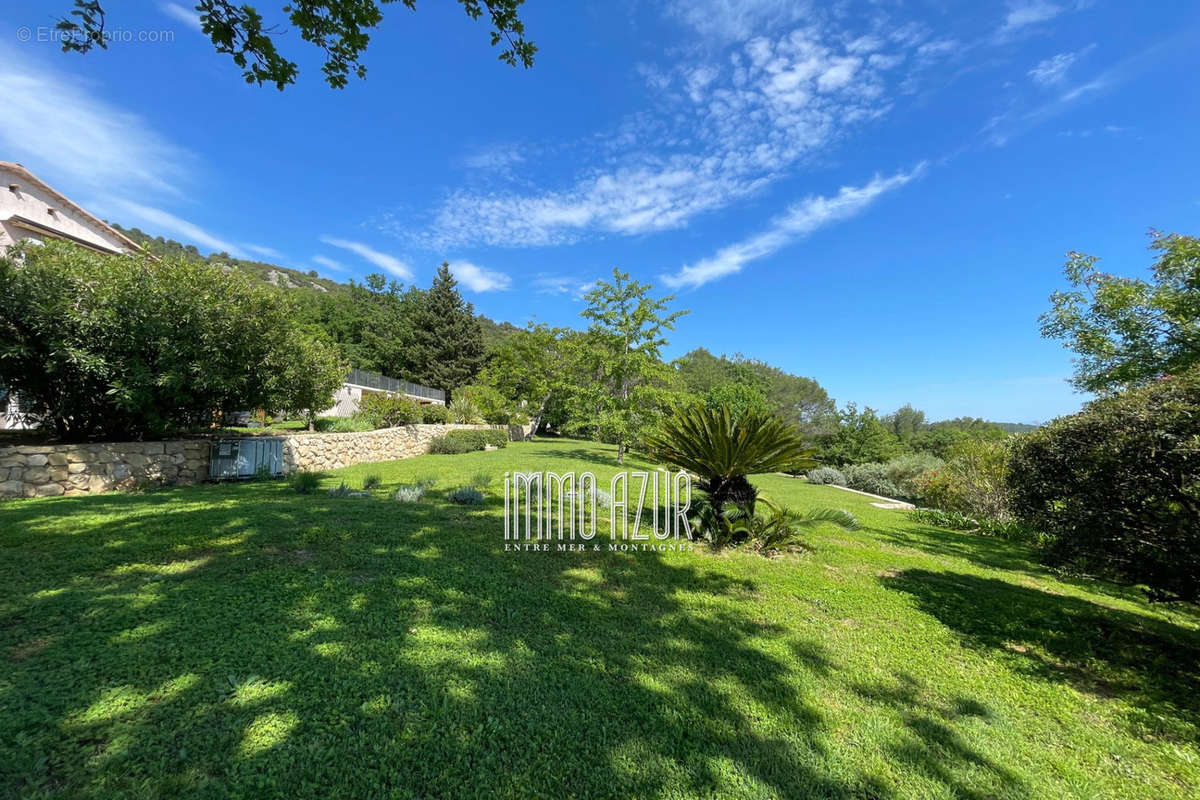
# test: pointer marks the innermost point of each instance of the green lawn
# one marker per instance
(243, 640)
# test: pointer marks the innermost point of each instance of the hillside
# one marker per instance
(284, 277)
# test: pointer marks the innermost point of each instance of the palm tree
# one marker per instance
(722, 450)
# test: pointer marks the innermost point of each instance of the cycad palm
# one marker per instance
(722, 450)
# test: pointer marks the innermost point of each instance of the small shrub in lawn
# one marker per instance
(372, 481)
(426, 482)
(305, 482)
(603, 499)
(409, 494)
(434, 414)
(826, 476)
(480, 480)
(466, 496)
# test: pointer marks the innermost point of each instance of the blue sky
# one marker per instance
(878, 195)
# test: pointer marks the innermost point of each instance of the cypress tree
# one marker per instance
(447, 339)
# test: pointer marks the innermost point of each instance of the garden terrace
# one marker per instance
(245, 639)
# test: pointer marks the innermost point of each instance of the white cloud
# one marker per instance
(384, 261)
(263, 250)
(561, 284)
(1053, 70)
(478, 279)
(175, 226)
(329, 263)
(735, 20)
(800, 220)
(67, 136)
(1022, 13)
(496, 158)
(722, 130)
(181, 14)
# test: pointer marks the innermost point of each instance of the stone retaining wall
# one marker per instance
(48, 470)
(315, 452)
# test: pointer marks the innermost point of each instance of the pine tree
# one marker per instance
(447, 340)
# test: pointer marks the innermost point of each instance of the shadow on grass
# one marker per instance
(1151, 664)
(933, 746)
(247, 640)
(984, 551)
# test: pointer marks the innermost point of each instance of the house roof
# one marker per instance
(34, 180)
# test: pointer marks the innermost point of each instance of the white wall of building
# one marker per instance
(24, 197)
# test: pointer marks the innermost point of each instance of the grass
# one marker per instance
(246, 640)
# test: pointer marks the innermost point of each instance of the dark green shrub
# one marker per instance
(434, 414)
(388, 411)
(447, 445)
(1117, 486)
(115, 346)
(305, 482)
(372, 481)
(467, 440)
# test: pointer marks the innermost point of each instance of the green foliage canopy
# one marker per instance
(339, 28)
(1126, 332)
(1118, 486)
(129, 346)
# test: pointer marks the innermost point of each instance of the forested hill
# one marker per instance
(286, 278)
(1015, 427)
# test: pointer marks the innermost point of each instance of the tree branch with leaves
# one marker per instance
(339, 28)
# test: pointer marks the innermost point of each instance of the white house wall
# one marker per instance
(31, 202)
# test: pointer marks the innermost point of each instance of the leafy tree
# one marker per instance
(1117, 486)
(308, 371)
(738, 398)
(446, 349)
(622, 357)
(905, 422)
(493, 406)
(531, 368)
(1127, 332)
(128, 346)
(859, 438)
(339, 28)
(800, 400)
(939, 438)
